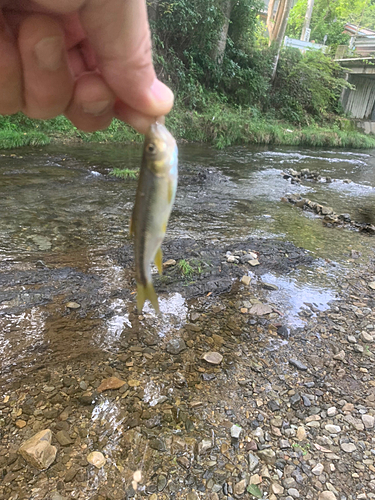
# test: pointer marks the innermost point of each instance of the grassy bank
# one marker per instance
(220, 126)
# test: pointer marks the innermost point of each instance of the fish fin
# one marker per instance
(146, 292)
(170, 191)
(159, 260)
(131, 228)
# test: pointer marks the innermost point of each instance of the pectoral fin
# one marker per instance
(146, 292)
(159, 260)
(170, 191)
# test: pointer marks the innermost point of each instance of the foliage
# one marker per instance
(186, 36)
(328, 19)
(254, 490)
(307, 87)
(124, 173)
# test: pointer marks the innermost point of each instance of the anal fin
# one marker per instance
(159, 260)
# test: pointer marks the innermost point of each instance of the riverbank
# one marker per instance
(219, 125)
(230, 403)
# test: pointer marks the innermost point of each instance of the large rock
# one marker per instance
(38, 450)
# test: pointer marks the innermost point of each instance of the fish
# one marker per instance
(155, 196)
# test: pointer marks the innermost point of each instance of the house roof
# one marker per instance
(353, 29)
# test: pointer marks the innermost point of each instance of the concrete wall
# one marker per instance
(366, 126)
(359, 103)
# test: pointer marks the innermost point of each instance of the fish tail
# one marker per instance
(147, 292)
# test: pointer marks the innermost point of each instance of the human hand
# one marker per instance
(88, 59)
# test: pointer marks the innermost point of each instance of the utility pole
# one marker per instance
(305, 36)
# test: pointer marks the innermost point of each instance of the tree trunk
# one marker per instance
(219, 50)
(280, 35)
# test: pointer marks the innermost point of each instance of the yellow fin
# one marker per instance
(159, 260)
(131, 228)
(146, 292)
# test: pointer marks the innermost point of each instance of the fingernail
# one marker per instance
(96, 108)
(161, 92)
(49, 53)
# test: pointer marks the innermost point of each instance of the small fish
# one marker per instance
(153, 204)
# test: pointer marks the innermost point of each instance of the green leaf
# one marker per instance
(255, 491)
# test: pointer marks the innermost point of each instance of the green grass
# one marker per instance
(224, 126)
(220, 125)
(186, 269)
(125, 173)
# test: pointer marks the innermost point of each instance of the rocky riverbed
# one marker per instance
(224, 400)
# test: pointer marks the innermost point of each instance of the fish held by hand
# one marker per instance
(153, 204)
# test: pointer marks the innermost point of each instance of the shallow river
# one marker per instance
(61, 212)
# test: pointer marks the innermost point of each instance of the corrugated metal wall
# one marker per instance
(359, 103)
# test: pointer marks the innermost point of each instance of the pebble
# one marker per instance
(38, 450)
(301, 433)
(267, 456)
(348, 447)
(246, 280)
(254, 262)
(253, 462)
(110, 383)
(260, 309)
(214, 358)
(298, 364)
(331, 412)
(169, 263)
(239, 488)
(333, 429)
(327, 495)
(339, 356)
(277, 489)
(175, 346)
(72, 305)
(366, 337)
(293, 493)
(204, 446)
(318, 469)
(351, 339)
(96, 458)
(235, 431)
(368, 421)
(63, 438)
(20, 424)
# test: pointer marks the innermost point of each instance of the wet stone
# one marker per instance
(71, 474)
(295, 399)
(63, 438)
(157, 444)
(96, 458)
(38, 450)
(239, 488)
(162, 482)
(214, 358)
(72, 305)
(175, 346)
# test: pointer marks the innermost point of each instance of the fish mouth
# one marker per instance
(158, 131)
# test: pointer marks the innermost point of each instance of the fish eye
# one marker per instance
(151, 148)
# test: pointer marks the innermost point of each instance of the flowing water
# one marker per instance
(61, 212)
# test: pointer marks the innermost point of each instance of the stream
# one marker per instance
(64, 238)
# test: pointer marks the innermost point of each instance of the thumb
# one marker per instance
(119, 32)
